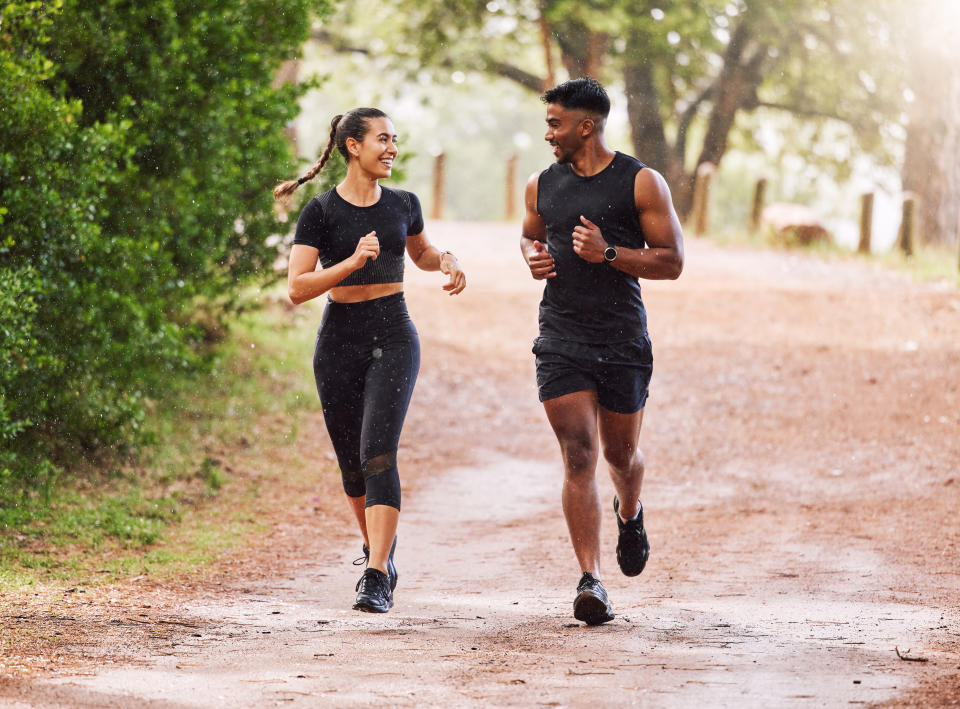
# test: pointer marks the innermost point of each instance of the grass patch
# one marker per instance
(928, 263)
(191, 494)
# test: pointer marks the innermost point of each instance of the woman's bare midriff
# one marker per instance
(358, 294)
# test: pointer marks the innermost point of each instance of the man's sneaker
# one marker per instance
(633, 549)
(391, 568)
(591, 604)
(373, 592)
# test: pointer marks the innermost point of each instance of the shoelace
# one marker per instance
(587, 582)
(370, 581)
(361, 560)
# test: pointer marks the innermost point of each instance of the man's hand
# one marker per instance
(540, 262)
(588, 242)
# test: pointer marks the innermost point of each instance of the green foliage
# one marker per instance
(138, 148)
(817, 60)
(173, 510)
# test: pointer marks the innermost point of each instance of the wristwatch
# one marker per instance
(609, 253)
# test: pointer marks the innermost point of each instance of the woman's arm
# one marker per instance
(304, 282)
(428, 257)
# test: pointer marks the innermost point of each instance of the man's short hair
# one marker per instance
(583, 94)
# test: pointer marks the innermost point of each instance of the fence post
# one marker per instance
(510, 200)
(908, 225)
(701, 198)
(866, 223)
(438, 187)
(756, 211)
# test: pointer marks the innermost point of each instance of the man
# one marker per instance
(595, 222)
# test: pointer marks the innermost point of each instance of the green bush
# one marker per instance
(138, 146)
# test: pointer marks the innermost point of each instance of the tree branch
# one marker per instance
(803, 111)
(335, 42)
(516, 74)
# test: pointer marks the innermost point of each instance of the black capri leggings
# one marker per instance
(366, 361)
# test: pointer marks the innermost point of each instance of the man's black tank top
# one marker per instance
(591, 302)
(333, 226)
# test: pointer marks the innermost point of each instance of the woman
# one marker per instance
(367, 352)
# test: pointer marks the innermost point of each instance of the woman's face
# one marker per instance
(375, 154)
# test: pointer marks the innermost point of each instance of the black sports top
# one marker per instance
(591, 302)
(333, 226)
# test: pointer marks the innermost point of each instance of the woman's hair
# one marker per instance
(352, 124)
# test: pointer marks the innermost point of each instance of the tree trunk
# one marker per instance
(550, 80)
(582, 51)
(736, 87)
(931, 166)
(643, 112)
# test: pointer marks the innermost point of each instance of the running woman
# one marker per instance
(595, 222)
(367, 353)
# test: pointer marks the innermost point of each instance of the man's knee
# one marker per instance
(623, 458)
(579, 453)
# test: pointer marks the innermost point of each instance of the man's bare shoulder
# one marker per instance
(534, 178)
(650, 188)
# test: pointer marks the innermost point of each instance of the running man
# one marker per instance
(595, 222)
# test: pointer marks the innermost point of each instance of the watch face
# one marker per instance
(610, 253)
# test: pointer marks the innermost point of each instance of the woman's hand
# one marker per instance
(367, 248)
(450, 266)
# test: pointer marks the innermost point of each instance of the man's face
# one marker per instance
(563, 131)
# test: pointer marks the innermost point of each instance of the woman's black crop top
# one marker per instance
(333, 226)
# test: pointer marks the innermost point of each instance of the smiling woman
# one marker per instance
(367, 353)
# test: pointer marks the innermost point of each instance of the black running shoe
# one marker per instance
(391, 568)
(591, 604)
(633, 549)
(373, 592)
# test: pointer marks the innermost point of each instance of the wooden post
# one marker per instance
(756, 210)
(438, 192)
(510, 201)
(701, 198)
(866, 223)
(908, 226)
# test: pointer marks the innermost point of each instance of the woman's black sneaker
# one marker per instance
(391, 568)
(373, 592)
(591, 605)
(633, 549)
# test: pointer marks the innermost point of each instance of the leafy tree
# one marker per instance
(139, 146)
(54, 174)
(193, 78)
(689, 67)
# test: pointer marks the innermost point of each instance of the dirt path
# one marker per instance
(803, 456)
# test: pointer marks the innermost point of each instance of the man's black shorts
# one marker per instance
(620, 372)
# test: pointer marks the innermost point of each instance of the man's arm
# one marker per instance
(533, 236)
(663, 256)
